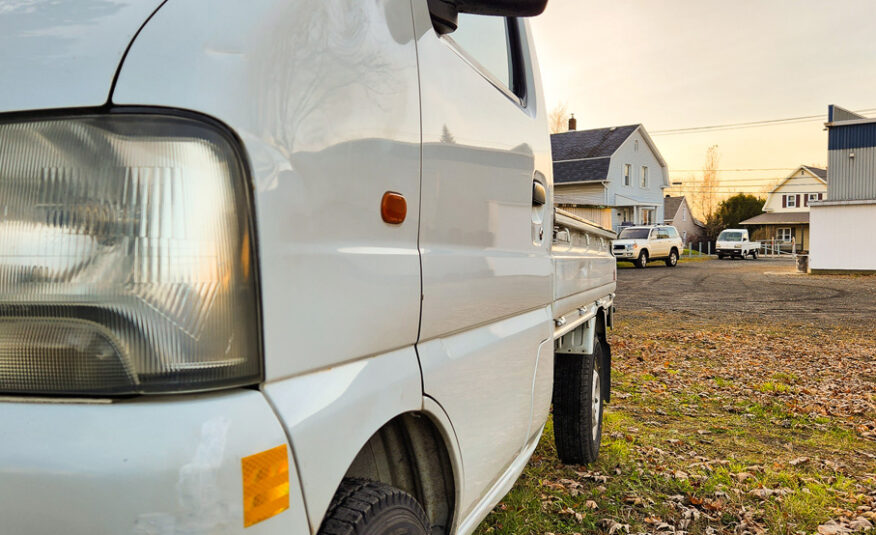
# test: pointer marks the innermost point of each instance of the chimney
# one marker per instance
(573, 123)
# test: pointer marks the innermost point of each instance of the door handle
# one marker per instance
(539, 194)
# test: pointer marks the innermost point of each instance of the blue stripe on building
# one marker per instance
(853, 136)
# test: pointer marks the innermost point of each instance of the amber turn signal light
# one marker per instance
(265, 485)
(393, 207)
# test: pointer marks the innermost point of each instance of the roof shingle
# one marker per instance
(596, 143)
(581, 170)
(817, 171)
(670, 206)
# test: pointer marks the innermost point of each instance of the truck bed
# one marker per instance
(584, 267)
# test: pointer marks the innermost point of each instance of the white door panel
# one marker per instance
(483, 379)
(487, 273)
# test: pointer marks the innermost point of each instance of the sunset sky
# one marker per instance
(691, 63)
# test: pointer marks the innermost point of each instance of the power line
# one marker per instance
(729, 170)
(748, 124)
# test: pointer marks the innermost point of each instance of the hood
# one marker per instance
(629, 241)
(64, 54)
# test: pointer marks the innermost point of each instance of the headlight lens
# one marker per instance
(126, 263)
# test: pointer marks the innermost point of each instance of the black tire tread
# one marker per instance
(572, 388)
(358, 500)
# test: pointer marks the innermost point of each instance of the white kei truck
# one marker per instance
(734, 243)
(284, 267)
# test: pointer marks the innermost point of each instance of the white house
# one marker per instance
(786, 217)
(843, 224)
(613, 176)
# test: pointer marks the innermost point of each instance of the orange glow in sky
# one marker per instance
(687, 63)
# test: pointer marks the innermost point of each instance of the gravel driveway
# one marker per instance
(766, 288)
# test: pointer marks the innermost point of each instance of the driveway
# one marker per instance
(767, 288)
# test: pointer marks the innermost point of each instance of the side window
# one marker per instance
(655, 235)
(644, 176)
(627, 169)
(490, 42)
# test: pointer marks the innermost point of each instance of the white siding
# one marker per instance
(657, 176)
(583, 194)
(801, 183)
(841, 236)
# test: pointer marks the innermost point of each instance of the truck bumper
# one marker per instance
(144, 466)
(736, 252)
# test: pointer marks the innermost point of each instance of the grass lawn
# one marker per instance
(717, 428)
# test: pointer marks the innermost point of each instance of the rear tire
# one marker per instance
(672, 261)
(754, 254)
(720, 257)
(578, 404)
(365, 507)
(642, 261)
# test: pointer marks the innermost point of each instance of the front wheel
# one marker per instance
(365, 507)
(642, 261)
(578, 400)
(672, 261)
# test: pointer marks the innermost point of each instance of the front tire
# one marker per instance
(365, 507)
(642, 261)
(672, 261)
(578, 405)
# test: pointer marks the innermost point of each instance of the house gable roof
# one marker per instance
(671, 206)
(595, 143)
(817, 171)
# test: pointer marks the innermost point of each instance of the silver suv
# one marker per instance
(641, 244)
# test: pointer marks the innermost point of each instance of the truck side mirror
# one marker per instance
(444, 12)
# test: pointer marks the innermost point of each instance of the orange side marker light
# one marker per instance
(393, 207)
(265, 485)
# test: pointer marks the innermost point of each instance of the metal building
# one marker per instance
(844, 226)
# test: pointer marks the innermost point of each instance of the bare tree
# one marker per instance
(558, 119)
(705, 193)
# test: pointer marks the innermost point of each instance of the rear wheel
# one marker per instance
(754, 254)
(672, 261)
(642, 261)
(365, 507)
(720, 257)
(578, 405)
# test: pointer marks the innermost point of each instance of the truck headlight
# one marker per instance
(126, 257)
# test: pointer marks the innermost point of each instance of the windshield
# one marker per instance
(634, 234)
(730, 236)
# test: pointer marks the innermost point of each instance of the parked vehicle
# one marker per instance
(260, 266)
(734, 243)
(641, 244)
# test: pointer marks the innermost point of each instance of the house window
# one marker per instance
(644, 176)
(627, 170)
(647, 216)
(783, 234)
(684, 213)
(791, 201)
(812, 197)
(636, 145)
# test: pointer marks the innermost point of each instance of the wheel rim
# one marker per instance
(673, 258)
(596, 402)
